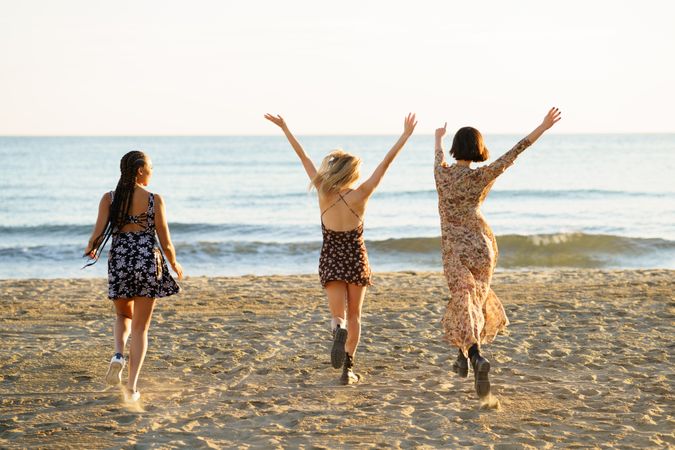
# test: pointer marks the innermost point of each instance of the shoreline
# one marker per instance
(244, 360)
(501, 271)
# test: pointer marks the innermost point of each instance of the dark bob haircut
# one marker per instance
(468, 145)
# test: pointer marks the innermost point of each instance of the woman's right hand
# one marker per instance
(440, 132)
(178, 269)
(277, 120)
(551, 118)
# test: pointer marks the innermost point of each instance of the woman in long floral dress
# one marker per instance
(474, 315)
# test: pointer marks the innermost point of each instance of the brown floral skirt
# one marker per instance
(344, 257)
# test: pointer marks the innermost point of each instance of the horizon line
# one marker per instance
(595, 133)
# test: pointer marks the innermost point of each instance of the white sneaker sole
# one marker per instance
(114, 375)
(133, 396)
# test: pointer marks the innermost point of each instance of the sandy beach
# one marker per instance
(239, 362)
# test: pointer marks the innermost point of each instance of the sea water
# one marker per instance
(240, 205)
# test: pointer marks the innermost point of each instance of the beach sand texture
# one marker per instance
(245, 362)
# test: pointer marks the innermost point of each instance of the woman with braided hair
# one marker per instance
(343, 265)
(137, 271)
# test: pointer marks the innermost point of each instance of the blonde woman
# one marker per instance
(343, 265)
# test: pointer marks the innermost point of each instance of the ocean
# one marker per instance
(240, 205)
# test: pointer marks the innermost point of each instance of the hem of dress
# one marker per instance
(484, 341)
(367, 283)
(143, 296)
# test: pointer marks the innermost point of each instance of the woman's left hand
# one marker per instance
(551, 118)
(178, 269)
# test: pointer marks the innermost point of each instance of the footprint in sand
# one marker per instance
(126, 419)
(408, 411)
(490, 402)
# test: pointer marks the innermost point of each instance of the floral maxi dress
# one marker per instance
(474, 314)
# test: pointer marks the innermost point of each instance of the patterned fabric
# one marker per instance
(136, 267)
(343, 254)
(474, 314)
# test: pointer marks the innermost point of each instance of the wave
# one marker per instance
(584, 250)
(175, 227)
(557, 250)
(578, 250)
(538, 193)
(575, 193)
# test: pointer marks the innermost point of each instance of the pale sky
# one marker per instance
(86, 67)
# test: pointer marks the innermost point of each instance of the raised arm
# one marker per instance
(165, 237)
(507, 159)
(304, 159)
(439, 160)
(368, 186)
(101, 222)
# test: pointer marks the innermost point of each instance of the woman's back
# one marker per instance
(137, 219)
(461, 189)
(342, 211)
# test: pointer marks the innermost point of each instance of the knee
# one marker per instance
(139, 328)
(124, 315)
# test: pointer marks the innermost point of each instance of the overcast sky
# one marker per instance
(85, 67)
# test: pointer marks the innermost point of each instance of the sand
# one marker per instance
(239, 362)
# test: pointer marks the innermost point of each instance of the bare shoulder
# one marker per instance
(158, 199)
(106, 199)
(359, 196)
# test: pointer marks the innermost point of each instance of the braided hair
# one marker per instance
(121, 204)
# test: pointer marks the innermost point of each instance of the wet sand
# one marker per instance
(245, 362)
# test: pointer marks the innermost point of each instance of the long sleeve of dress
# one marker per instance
(439, 160)
(496, 168)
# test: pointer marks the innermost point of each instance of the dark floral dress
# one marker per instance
(343, 254)
(474, 313)
(136, 266)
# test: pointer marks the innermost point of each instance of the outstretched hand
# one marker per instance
(409, 124)
(551, 118)
(276, 120)
(440, 132)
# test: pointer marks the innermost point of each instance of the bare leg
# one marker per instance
(124, 309)
(336, 291)
(355, 296)
(337, 298)
(143, 308)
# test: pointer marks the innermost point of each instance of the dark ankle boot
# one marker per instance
(481, 368)
(461, 365)
(348, 375)
(337, 353)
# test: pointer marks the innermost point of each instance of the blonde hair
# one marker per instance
(338, 169)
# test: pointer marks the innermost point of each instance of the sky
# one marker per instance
(83, 67)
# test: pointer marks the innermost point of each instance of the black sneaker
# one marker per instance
(348, 375)
(461, 365)
(337, 353)
(481, 368)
